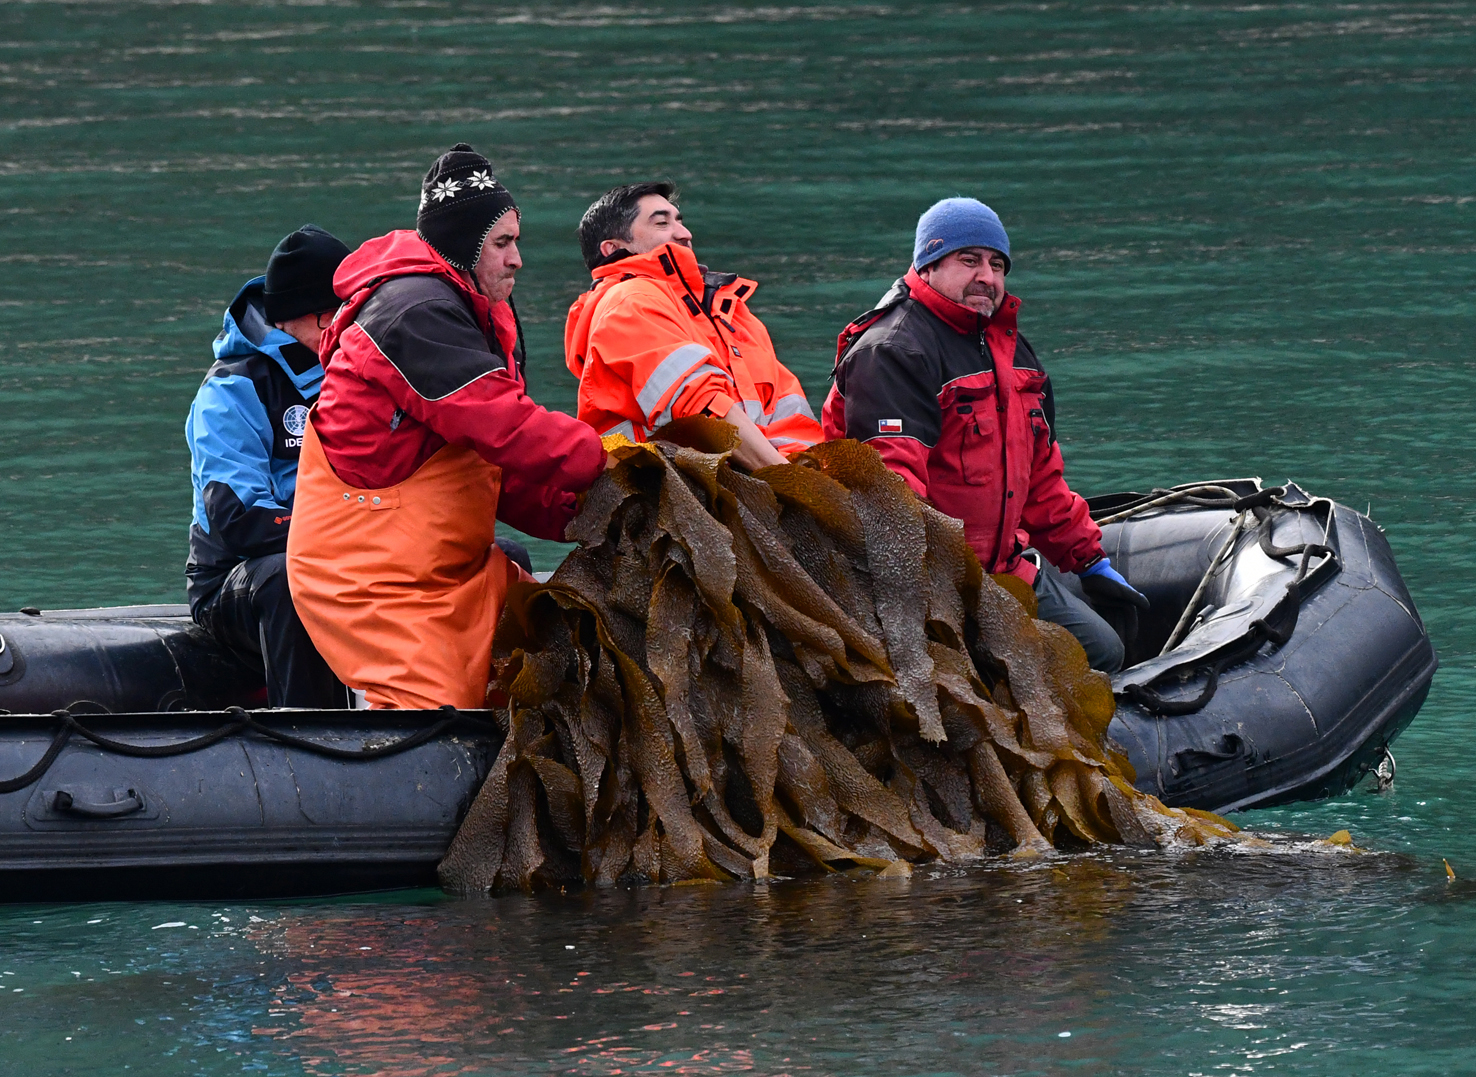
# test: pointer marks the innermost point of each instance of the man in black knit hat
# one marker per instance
(245, 433)
(423, 436)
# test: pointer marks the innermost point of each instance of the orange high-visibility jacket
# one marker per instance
(658, 338)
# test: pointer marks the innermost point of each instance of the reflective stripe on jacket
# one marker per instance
(919, 380)
(657, 337)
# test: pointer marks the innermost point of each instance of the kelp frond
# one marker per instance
(740, 675)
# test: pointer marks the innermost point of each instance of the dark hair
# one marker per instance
(613, 213)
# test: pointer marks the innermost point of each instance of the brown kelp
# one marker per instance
(742, 675)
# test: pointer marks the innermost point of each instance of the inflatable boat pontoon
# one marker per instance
(1282, 654)
(1280, 659)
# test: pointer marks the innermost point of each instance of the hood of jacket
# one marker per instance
(402, 253)
(246, 332)
(672, 265)
(576, 329)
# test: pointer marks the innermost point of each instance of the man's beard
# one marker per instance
(987, 310)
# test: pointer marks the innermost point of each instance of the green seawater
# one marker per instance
(1245, 237)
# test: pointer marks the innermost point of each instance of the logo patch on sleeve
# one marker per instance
(889, 426)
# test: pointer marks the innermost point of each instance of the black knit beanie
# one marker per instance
(299, 276)
(460, 201)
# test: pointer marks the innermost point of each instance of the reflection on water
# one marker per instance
(1132, 961)
(1244, 238)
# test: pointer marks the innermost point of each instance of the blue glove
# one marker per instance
(1107, 584)
(1115, 600)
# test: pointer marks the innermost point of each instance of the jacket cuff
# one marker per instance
(713, 401)
(1092, 557)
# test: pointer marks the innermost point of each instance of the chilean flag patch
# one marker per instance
(889, 426)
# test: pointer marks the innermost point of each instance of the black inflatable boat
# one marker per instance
(1281, 656)
(138, 760)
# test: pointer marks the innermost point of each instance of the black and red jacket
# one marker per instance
(917, 379)
(416, 358)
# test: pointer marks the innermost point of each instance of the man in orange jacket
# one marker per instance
(660, 337)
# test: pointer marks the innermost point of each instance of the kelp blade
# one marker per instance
(805, 668)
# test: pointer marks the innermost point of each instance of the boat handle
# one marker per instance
(1187, 759)
(67, 804)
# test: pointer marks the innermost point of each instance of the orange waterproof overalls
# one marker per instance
(401, 587)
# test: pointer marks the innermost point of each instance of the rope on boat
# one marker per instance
(1192, 609)
(1384, 772)
(1275, 628)
(1205, 497)
(243, 722)
(1243, 506)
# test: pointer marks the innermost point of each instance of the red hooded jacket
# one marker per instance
(416, 358)
(919, 380)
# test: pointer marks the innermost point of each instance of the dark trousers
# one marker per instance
(1062, 603)
(252, 616)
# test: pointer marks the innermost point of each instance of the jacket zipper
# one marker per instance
(1001, 409)
(710, 317)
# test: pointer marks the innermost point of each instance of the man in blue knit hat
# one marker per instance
(939, 381)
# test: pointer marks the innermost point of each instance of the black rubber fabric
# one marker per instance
(252, 615)
(241, 722)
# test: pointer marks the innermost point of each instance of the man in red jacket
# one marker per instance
(424, 436)
(940, 382)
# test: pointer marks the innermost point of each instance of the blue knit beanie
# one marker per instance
(956, 223)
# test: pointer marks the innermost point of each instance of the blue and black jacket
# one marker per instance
(245, 433)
